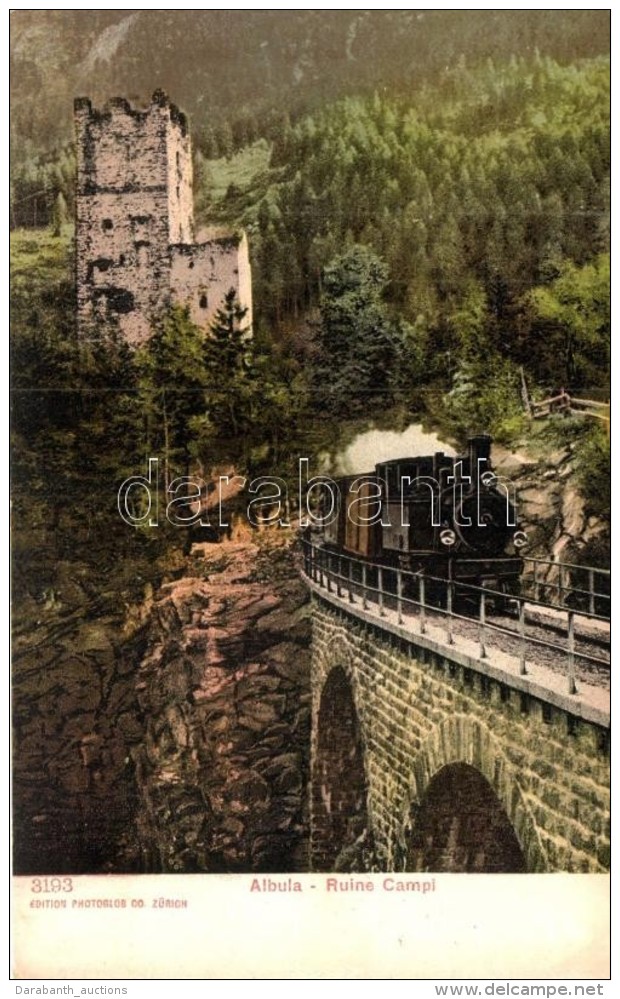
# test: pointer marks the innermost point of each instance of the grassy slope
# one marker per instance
(38, 259)
(230, 187)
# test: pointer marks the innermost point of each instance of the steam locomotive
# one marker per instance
(444, 516)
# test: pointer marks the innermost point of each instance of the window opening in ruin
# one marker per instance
(120, 300)
(107, 224)
(203, 302)
(102, 264)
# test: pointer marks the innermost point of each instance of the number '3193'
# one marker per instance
(50, 885)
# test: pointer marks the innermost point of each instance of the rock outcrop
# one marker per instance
(75, 719)
(225, 688)
(168, 735)
(552, 511)
(550, 506)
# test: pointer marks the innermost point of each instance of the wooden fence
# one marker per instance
(564, 402)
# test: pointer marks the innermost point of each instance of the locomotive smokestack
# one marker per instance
(438, 460)
(479, 447)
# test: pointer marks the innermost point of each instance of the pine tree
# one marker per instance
(227, 359)
(359, 344)
(173, 388)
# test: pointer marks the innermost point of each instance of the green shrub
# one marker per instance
(594, 471)
(486, 398)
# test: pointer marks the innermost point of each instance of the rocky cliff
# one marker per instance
(75, 718)
(225, 688)
(171, 735)
(550, 506)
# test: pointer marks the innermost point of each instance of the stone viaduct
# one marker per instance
(427, 757)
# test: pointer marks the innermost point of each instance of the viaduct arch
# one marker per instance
(449, 768)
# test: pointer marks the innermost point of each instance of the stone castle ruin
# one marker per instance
(135, 243)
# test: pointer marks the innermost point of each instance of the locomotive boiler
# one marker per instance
(445, 516)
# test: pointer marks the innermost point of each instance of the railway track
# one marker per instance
(572, 644)
(547, 642)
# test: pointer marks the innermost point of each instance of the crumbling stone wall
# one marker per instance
(202, 274)
(418, 713)
(135, 227)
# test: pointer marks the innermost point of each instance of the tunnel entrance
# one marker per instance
(462, 826)
(340, 838)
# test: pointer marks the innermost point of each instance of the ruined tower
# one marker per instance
(134, 224)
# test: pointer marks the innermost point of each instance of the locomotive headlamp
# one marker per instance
(520, 539)
(447, 537)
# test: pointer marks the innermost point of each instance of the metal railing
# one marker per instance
(551, 582)
(431, 598)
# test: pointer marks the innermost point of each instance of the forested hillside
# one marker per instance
(234, 72)
(473, 192)
(245, 75)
